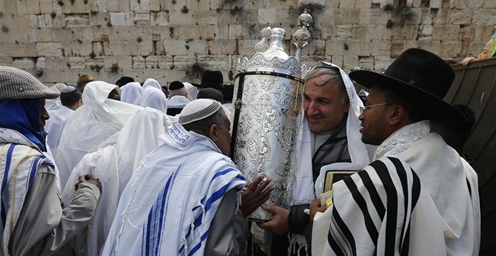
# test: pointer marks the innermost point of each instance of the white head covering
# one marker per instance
(114, 165)
(131, 92)
(153, 83)
(303, 191)
(198, 110)
(52, 104)
(192, 91)
(154, 98)
(90, 125)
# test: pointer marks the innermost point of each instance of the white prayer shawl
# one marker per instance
(154, 98)
(152, 83)
(54, 126)
(131, 92)
(382, 210)
(192, 91)
(21, 160)
(114, 166)
(177, 101)
(169, 203)
(90, 125)
(442, 175)
(304, 189)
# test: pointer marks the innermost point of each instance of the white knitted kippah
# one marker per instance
(19, 84)
(67, 89)
(198, 110)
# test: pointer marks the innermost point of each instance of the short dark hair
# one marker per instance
(203, 126)
(415, 111)
(69, 99)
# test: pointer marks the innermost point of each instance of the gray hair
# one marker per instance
(181, 92)
(203, 126)
(335, 79)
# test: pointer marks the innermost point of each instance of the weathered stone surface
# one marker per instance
(267, 16)
(77, 20)
(159, 18)
(139, 62)
(461, 16)
(24, 63)
(214, 62)
(76, 62)
(119, 19)
(222, 47)
(49, 49)
(40, 63)
(141, 18)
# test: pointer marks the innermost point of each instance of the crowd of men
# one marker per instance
(131, 169)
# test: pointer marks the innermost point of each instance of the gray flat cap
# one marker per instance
(19, 84)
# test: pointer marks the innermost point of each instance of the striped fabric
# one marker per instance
(19, 163)
(373, 210)
(172, 198)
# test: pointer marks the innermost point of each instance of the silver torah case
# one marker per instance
(268, 98)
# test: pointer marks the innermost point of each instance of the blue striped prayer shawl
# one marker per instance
(20, 160)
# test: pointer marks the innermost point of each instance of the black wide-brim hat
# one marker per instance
(420, 75)
(212, 79)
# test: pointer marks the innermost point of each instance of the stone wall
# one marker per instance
(58, 40)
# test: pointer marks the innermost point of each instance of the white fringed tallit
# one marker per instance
(168, 205)
(21, 160)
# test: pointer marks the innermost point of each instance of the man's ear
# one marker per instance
(396, 115)
(214, 133)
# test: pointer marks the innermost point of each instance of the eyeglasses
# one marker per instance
(364, 108)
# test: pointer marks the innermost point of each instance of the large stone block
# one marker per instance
(140, 6)
(49, 49)
(77, 20)
(344, 31)
(362, 4)
(283, 4)
(336, 47)
(440, 16)
(208, 32)
(347, 16)
(183, 62)
(337, 60)
(176, 17)
(222, 47)
(118, 6)
(28, 7)
(485, 17)
(175, 47)
(44, 20)
(46, 6)
(267, 16)
(446, 32)
(366, 62)
(246, 47)
(24, 63)
(76, 62)
(405, 32)
(235, 31)
(381, 63)
(450, 49)
(99, 19)
(120, 19)
(55, 63)
(139, 62)
(461, 16)
(160, 18)
(206, 17)
(215, 62)
(141, 18)
(350, 62)
(483, 33)
(40, 63)
(5, 61)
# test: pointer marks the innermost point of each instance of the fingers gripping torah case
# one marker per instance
(267, 113)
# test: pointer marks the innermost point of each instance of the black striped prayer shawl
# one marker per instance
(382, 210)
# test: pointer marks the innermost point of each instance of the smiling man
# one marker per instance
(33, 219)
(329, 135)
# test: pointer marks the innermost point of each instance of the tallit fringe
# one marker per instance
(296, 243)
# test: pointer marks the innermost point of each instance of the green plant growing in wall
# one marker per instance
(185, 9)
(96, 67)
(68, 65)
(92, 55)
(346, 46)
(173, 1)
(85, 1)
(114, 68)
(5, 29)
(389, 24)
(186, 46)
(139, 1)
(171, 31)
(60, 2)
(94, 12)
(72, 1)
(109, 24)
(139, 39)
(194, 71)
(172, 66)
(17, 42)
(236, 10)
(1, 14)
(79, 41)
(53, 15)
